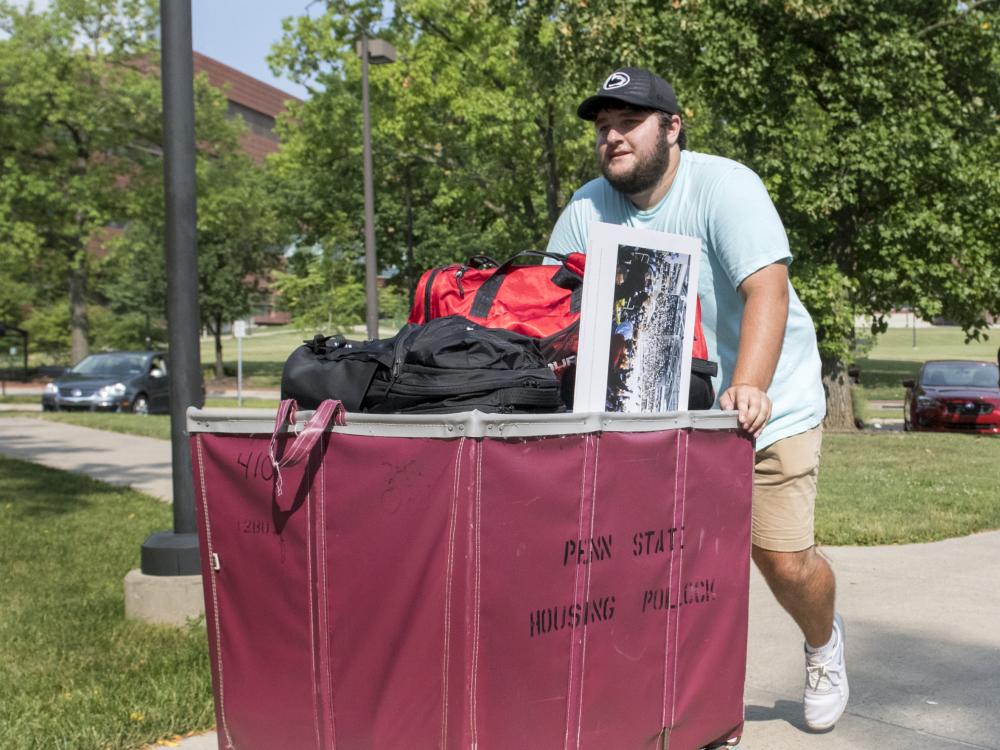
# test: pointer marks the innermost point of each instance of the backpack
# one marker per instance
(541, 301)
(450, 364)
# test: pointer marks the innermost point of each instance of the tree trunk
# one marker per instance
(78, 323)
(839, 407)
(220, 370)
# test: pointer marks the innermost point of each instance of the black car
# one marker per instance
(112, 381)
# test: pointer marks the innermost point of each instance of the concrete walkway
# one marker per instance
(139, 462)
(923, 640)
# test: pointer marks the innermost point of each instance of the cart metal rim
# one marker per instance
(473, 424)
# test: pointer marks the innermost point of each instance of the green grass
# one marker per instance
(882, 379)
(937, 342)
(248, 403)
(265, 351)
(892, 488)
(74, 674)
(894, 359)
(18, 399)
(153, 425)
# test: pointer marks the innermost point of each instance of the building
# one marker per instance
(258, 103)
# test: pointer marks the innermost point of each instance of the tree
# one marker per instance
(240, 239)
(472, 148)
(323, 290)
(79, 115)
(874, 126)
(872, 123)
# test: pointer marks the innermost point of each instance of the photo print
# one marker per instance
(647, 331)
(637, 321)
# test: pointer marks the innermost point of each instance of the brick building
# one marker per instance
(258, 103)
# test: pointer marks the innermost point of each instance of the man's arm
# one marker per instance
(765, 313)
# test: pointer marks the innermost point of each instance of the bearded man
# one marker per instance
(754, 325)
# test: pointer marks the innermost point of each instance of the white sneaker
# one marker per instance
(826, 691)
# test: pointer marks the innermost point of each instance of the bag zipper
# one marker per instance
(529, 384)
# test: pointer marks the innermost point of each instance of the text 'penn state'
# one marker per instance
(600, 548)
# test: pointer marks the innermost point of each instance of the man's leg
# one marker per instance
(803, 584)
(801, 579)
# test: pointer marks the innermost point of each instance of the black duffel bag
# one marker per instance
(447, 365)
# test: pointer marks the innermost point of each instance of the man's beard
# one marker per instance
(646, 173)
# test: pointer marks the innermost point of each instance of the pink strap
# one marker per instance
(326, 412)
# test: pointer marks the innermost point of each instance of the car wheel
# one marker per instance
(140, 405)
(48, 407)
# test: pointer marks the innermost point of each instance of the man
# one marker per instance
(754, 324)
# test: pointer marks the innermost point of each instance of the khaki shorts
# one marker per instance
(784, 493)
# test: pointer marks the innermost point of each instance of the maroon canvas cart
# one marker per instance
(475, 581)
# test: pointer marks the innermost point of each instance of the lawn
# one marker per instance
(74, 674)
(895, 487)
(19, 398)
(153, 425)
(265, 351)
(893, 357)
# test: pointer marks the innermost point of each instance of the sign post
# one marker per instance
(239, 331)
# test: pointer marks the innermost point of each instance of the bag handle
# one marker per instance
(482, 261)
(489, 289)
(329, 410)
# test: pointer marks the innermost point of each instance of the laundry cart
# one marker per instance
(474, 580)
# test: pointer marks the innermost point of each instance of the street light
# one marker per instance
(376, 52)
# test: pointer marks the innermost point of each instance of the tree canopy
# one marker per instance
(78, 117)
(81, 182)
(873, 124)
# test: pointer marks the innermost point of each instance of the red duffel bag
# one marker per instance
(533, 300)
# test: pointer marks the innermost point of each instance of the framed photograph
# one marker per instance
(640, 291)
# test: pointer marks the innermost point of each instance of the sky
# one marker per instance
(240, 33)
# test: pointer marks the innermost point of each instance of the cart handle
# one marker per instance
(329, 410)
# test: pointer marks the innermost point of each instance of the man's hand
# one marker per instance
(753, 404)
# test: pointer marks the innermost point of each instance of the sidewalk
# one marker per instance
(923, 644)
(139, 462)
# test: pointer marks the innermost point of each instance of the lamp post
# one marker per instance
(176, 553)
(376, 52)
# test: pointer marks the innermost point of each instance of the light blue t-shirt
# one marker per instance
(726, 206)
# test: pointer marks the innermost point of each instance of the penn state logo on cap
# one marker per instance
(616, 81)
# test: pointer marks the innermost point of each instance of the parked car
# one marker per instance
(953, 396)
(112, 381)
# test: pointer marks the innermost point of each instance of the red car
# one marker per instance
(954, 396)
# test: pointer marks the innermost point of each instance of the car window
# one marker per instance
(959, 375)
(116, 364)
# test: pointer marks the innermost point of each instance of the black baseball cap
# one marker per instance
(635, 86)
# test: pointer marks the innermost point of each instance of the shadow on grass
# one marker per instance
(256, 373)
(40, 491)
(886, 373)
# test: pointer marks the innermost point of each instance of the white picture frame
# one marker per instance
(638, 284)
